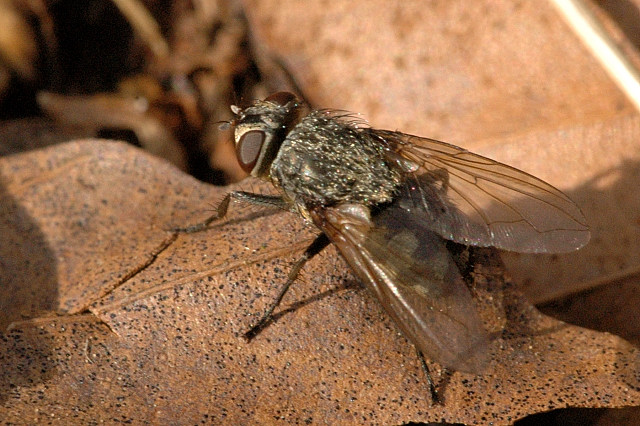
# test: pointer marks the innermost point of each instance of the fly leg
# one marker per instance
(316, 247)
(223, 207)
(432, 388)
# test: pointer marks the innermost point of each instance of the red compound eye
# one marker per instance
(281, 98)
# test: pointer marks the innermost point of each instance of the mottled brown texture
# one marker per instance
(441, 68)
(32, 133)
(104, 111)
(64, 202)
(169, 348)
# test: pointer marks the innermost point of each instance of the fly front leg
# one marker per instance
(223, 207)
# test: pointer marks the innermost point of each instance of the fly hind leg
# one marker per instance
(314, 248)
(435, 397)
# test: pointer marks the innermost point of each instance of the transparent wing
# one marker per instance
(413, 275)
(474, 200)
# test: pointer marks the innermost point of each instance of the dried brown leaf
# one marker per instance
(439, 69)
(88, 225)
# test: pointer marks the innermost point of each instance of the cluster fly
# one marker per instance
(388, 201)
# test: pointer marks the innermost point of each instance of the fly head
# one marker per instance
(260, 129)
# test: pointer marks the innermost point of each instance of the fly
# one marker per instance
(388, 201)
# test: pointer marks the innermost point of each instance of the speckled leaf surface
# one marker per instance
(441, 69)
(63, 203)
(157, 336)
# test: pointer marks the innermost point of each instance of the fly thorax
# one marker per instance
(329, 161)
